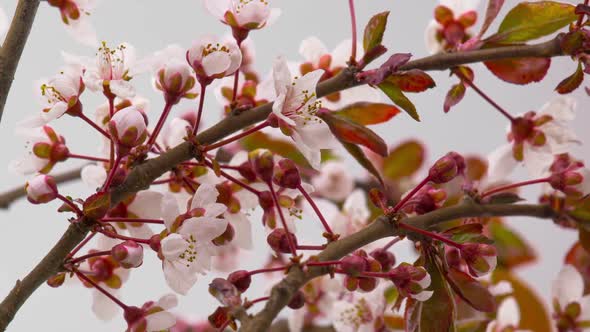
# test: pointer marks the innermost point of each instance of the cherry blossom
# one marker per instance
(45, 148)
(152, 316)
(450, 28)
(187, 249)
(359, 312)
(243, 14)
(212, 58)
(128, 128)
(172, 75)
(41, 189)
(75, 15)
(296, 107)
(334, 181)
(568, 291)
(507, 318)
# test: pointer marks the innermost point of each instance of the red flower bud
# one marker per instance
(129, 254)
(241, 279)
(447, 168)
(297, 301)
(279, 242)
(57, 280)
(246, 171)
(262, 162)
(287, 175)
(384, 257)
(354, 265)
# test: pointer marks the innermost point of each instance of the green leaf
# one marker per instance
(365, 113)
(454, 96)
(512, 249)
(471, 291)
(374, 31)
(404, 160)
(259, 140)
(350, 132)
(532, 20)
(504, 198)
(397, 96)
(359, 155)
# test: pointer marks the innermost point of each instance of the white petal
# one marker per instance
(169, 209)
(205, 195)
(432, 44)
(173, 246)
(167, 301)
(178, 277)
(217, 7)
(242, 228)
(160, 321)
(568, 287)
(501, 163)
(147, 204)
(214, 210)
(82, 31)
(537, 160)
(560, 108)
(508, 313)
(311, 49)
(204, 229)
(313, 156)
(281, 75)
(122, 89)
(216, 63)
(422, 296)
(103, 307)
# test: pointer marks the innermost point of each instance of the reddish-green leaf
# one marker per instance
(519, 70)
(504, 198)
(532, 20)
(97, 205)
(477, 168)
(580, 258)
(533, 312)
(512, 249)
(365, 113)
(571, 82)
(471, 291)
(362, 159)
(259, 140)
(492, 11)
(397, 96)
(414, 80)
(404, 160)
(351, 132)
(374, 31)
(454, 96)
(468, 233)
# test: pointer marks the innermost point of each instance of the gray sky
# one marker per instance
(471, 127)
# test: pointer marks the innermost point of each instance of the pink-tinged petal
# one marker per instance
(160, 321)
(167, 301)
(432, 44)
(26, 165)
(308, 82)
(318, 136)
(508, 314)
(204, 229)
(312, 49)
(585, 308)
(277, 108)
(142, 231)
(173, 246)
(122, 89)
(34, 121)
(217, 8)
(103, 307)
(560, 108)
(281, 76)
(313, 156)
(537, 160)
(82, 31)
(93, 80)
(147, 204)
(169, 210)
(422, 296)
(178, 277)
(93, 176)
(216, 63)
(568, 287)
(501, 163)
(242, 228)
(205, 195)
(274, 15)
(254, 12)
(215, 210)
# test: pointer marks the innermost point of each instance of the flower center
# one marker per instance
(359, 314)
(111, 62)
(190, 253)
(210, 48)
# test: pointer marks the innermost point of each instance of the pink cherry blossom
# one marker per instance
(41, 189)
(334, 181)
(243, 14)
(212, 58)
(152, 316)
(507, 317)
(45, 148)
(75, 14)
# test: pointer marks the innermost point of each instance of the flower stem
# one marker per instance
(70, 204)
(512, 186)
(236, 81)
(84, 157)
(189, 184)
(131, 220)
(163, 181)
(94, 125)
(200, 111)
(315, 208)
(270, 269)
(82, 244)
(391, 243)
(160, 123)
(260, 299)
(123, 237)
(90, 255)
(112, 172)
(483, 95)
(238, 136)
(431, 235)
(411, 194)
(100, 289)
(283, 221)
(353, 25)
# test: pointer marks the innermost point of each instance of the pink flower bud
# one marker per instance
(262, 162)
(241, 279)
(297, 301)
(156, 242)
(411, 281)
(447, 168)
(384, 257)
(212, 58)
(41, 189)
(176, 80)
(225, 292)
(279, 242)
(287, 174)
(128, 128)
(354, 265)
(481, 258)
(129, 254)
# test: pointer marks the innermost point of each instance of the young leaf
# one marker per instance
(519, 70)
(513, 250)
(365, 113)
(359, 155)
(454, 96)
(468, 233)
(414, 80)
(471, 291)
(283, 148)
(374, 31)
(351, 132)
(376, 76)
(397, 96)
(504, 198)
(571, 82)
(97, 205)
(404, 160)
(532, 20)
(492, 11)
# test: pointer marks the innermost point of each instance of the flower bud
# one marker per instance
(226, 237)
(354, 265)
(411, 281)
(287, 174)
(262, 162)
(176, 80)
(246, 171)
(41, 189)
(279, 242)
(384, 257)
(368, 284)
(567, 175)
(481, 258)
(225, 292)
(447, 168)
(426, 200)
(129, 254)
(265, 200)
(128, 128)
(297, 301)
(241, 279)
(57, 280)
(156, 242)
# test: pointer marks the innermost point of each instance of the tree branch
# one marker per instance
(13, 46)
(8, 197)
(380, 228)
(142, 175)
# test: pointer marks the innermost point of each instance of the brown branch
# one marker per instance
(142, 175)
(8, 197)
(380, 228)
(13, 46)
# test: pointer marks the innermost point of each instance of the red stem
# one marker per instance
(236, 181)
(94, 254)
(512, 186)
(354, 37)
(270, 269)
(70, 204)
(162, 181)
(237, 137)
(131, 220)
(315, 208)
(112, 145)
(391, 243)
(200, 111)
(91, 158)
(94, 125)
(283, 221)
(431, 235)
(160, 124)
(260, 299)
(236, 80)
(82, 244)
(189, 184)
(100, 289)
(112, 172)
(123, 237)
(411, 194)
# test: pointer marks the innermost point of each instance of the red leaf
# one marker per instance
(350, 132)
(571, 82)
(404, 160)
(365, 113)
(454, 96)
(492, 11)
(362, 159)
(519, 70)
(414, 80)
(471, 291)
(376, 76)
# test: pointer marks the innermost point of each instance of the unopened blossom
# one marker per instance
(359, 312)
(243, 15)
(296, 108)
(44, 148)
(75, 14)
(129, 254)
(411, 281)
(481, 258)
(188, 247)
(152, 316)
(427, 199)
(334, 181)
(113, 70)
(567, 292)
(451, 26)
(507, 317)
(569, 176)
(172, 75)
(212, 58)
(41, 189)
(128, 128)
(317, 56)
(535, 137)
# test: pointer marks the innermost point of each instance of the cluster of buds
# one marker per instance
(176, 80)
(152, 316)
(129, 254)
(212, 59)
(41, 189)
(567, 176)
(411, 281)
(128, 128)
(480, 258)
(453, 31)
(354, 265)
(426, 200)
